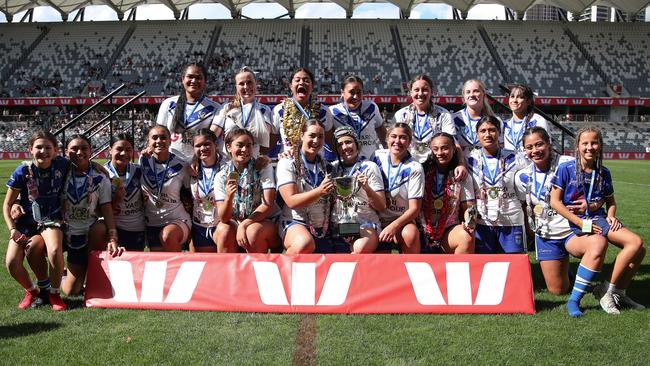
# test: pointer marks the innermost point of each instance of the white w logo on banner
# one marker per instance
(153, 282)
(303, 283)
(459, 288)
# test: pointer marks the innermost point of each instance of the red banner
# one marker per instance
(333, 283)
(327, 99)
(626, 156)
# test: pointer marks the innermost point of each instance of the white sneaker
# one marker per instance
(625, 302)
(608, 303)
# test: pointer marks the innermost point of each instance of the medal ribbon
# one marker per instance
(420, 129)
(470, 134)
(515, 138)
(160, 182)
(357, 125)
(300, 108)
(314, 177)
(591, 190)
(492, 174)
(206, 187)
(196, 105)
(392, 179)
(245, 120)
(128, 176)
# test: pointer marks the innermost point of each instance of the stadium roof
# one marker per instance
(65, 7)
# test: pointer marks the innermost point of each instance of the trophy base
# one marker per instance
(347, 229)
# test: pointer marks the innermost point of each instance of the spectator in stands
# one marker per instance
(476, 106)
(586, 177)
(293, 112)
(244, 111)
(521, 101)
(185, 114)
(363, 116)
(500, 227)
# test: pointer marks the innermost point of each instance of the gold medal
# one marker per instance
(117, 182)
(437, 204)
(493, 192)
(538, 210)
(158, 202)
(207, 204)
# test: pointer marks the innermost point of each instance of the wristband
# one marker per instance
(586, 226)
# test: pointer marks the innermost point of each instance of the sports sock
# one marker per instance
(32, 288)
(610, 287)
(44, 285)
(582, 285)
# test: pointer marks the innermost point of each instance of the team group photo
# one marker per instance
(495, 189)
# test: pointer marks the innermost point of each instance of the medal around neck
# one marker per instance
(345, 190)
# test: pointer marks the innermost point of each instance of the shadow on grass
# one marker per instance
(25, 329)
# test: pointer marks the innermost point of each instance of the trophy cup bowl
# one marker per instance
(347, 226)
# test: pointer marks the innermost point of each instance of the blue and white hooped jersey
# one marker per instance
(402, 182)
(577, 188)
(363, 213)
(81, 211)
(424, 127)
(551, 224)
(498, 178)
(197, 115)
(365, 120)
(513, 131)
(466, 135)
(130, 215)
(259, 123)
(50, 182)
(325, 118)
(162, 182)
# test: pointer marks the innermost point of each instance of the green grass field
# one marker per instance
(100, 336)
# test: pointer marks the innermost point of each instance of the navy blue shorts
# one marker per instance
(500, 239)
(131, 240)
(77, 248)
(27, 230)
(551, 249)
(202, 236)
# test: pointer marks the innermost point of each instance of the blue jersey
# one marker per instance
(49, 182)
(577, 188)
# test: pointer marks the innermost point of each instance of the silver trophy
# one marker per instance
(345, 191)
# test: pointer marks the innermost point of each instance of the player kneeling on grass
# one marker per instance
(554, 239)
(403, 185)
(359, 195)
(586, 178)
(37, 224)
(446, 201)
(245, 196)
(87, 195)
(127, 195)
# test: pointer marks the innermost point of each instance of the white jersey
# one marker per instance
(362, 212)
(314, 174)
(204, 212)
(197, 115)
(494, 187)
(324, 116)
(513, 131)
(259, 122)
(549, 224)
(261, 181)
(402, 182)
(462, 192)
(129, 216)
(84, 194)
(466, 135)
(365, 120)
(162, 183)
(424, 126)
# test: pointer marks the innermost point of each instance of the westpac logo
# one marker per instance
(153, 282)
(303, 284)
(459, 288)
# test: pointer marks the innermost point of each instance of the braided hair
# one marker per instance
(179, 112)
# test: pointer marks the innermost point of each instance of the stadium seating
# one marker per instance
(622, 51)
(16, 38)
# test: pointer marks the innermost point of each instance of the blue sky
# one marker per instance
(269, 10)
